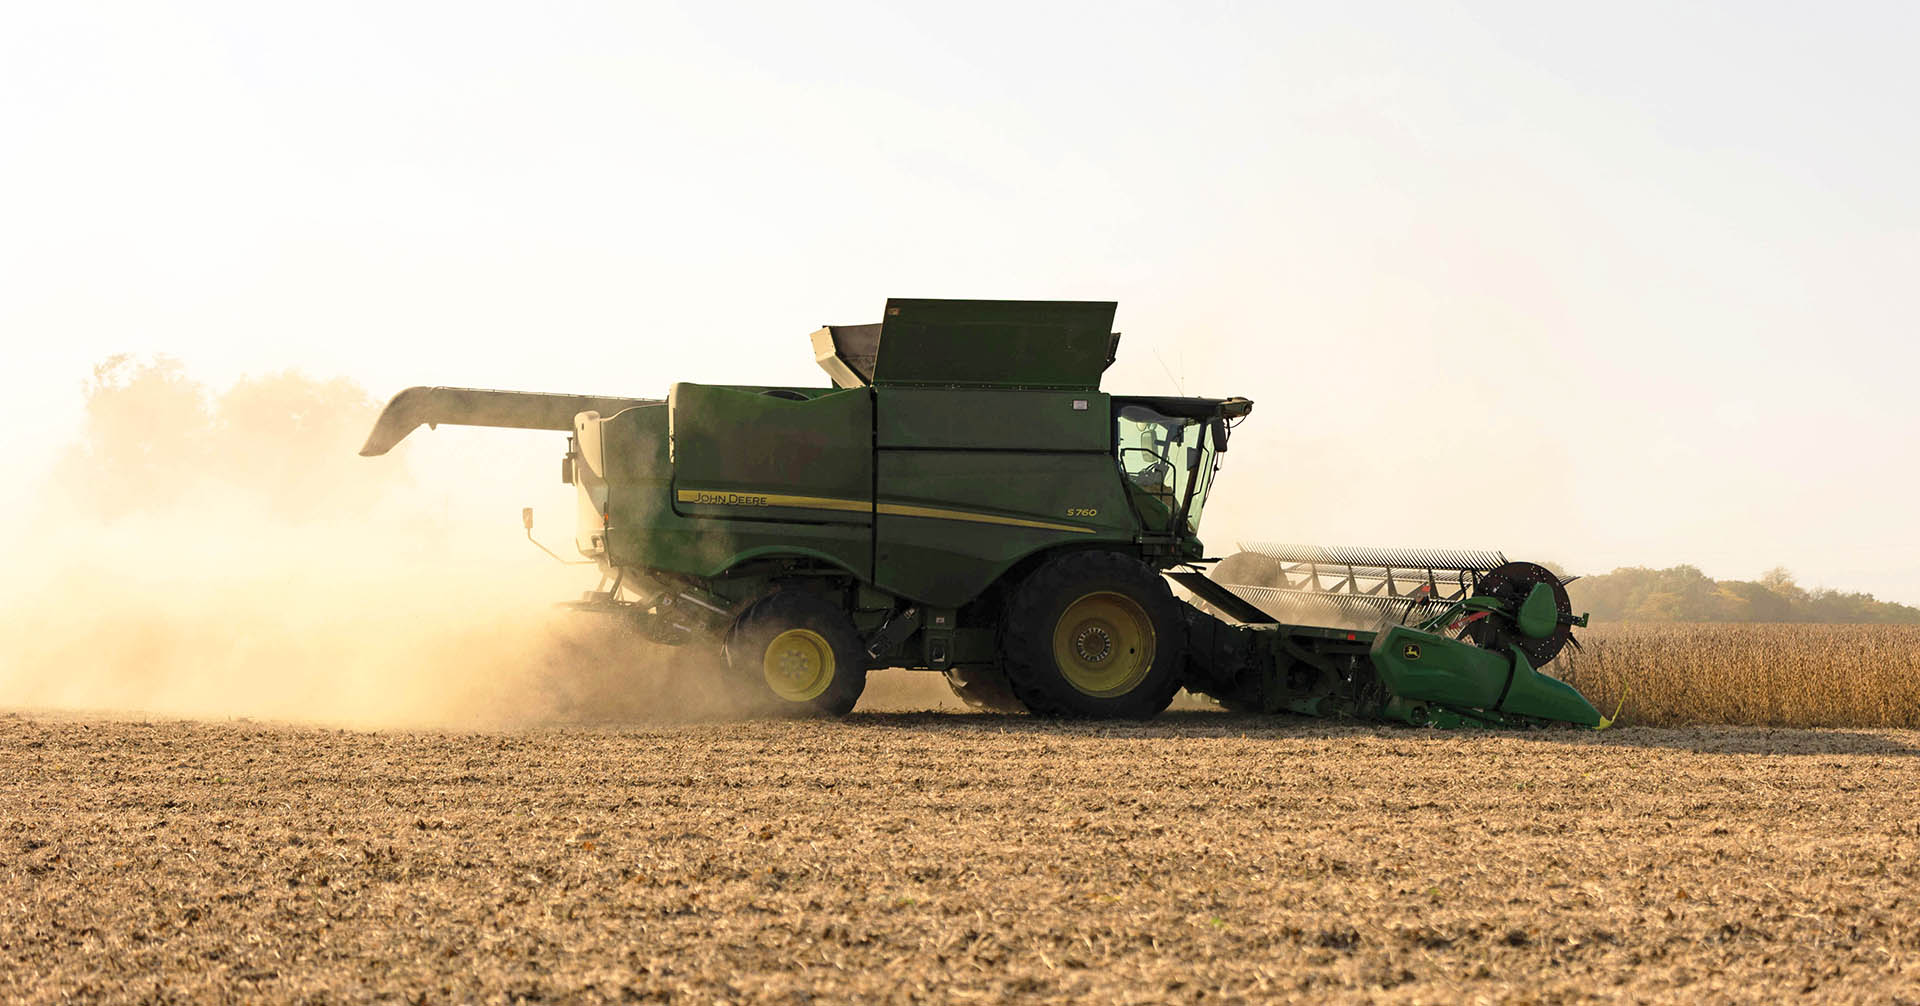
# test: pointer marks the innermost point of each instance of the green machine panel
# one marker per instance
(981, 419)
(1001, 343)
(647, 529)
(771, 454)
(948, 523)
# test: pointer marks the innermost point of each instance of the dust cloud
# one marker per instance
(225, 553)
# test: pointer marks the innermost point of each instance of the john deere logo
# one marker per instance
(1412, 651)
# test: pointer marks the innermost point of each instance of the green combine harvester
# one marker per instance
(965, 499)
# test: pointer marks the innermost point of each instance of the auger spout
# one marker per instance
(521, 410)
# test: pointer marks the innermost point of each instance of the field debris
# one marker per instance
(940, 858)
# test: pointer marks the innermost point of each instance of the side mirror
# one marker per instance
(1218, 427)
(526, 517)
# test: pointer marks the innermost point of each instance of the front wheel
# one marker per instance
(1093, 634)
(799, 653)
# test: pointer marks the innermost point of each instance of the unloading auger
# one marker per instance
(966, 500)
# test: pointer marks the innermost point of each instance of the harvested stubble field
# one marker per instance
(936, 857)
(1763, 674)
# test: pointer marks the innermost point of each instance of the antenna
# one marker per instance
(1179, 385)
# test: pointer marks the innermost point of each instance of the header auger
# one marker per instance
(965, 499)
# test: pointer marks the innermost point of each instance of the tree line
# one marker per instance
(156, 440)
(1685, 594)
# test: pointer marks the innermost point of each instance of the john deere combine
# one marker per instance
(964, 499)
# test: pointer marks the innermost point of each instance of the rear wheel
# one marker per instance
(1093, 634)
(799, 653)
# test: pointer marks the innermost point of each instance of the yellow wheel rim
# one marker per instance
(798, 665)
(1103, 644)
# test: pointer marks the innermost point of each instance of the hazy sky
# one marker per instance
(1602, 284)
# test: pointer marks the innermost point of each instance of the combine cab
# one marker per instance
(965, 499)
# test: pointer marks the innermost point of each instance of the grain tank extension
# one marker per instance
(964, 499)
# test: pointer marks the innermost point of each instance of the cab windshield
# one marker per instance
(1161, 457)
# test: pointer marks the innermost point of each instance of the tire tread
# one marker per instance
(1026, 637)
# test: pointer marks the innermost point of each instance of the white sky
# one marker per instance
(1606, 285)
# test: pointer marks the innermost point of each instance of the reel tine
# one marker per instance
(1410, 559)
(1281, 602)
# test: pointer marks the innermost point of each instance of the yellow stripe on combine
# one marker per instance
(903, 510)
(705, 497)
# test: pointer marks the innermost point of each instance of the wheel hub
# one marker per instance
(1093, 643)
(798, 665)
(1104, 644)
(795, 664)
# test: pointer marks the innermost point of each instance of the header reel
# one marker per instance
(1482, 597)
(1435, 638)
(1534, 617)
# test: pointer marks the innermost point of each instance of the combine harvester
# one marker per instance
(966, 500)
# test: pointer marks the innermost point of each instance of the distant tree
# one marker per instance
(146, 436)
(294, 440)
(1685, 594)
(286, 442)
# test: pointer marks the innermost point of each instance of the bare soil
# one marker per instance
(941, 857)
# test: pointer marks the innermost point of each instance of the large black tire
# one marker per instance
(798, 653)
(984, 689)
(1093, 635)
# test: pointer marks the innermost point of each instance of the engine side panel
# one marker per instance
(949, 523)
(647, 530)
(745, 454)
